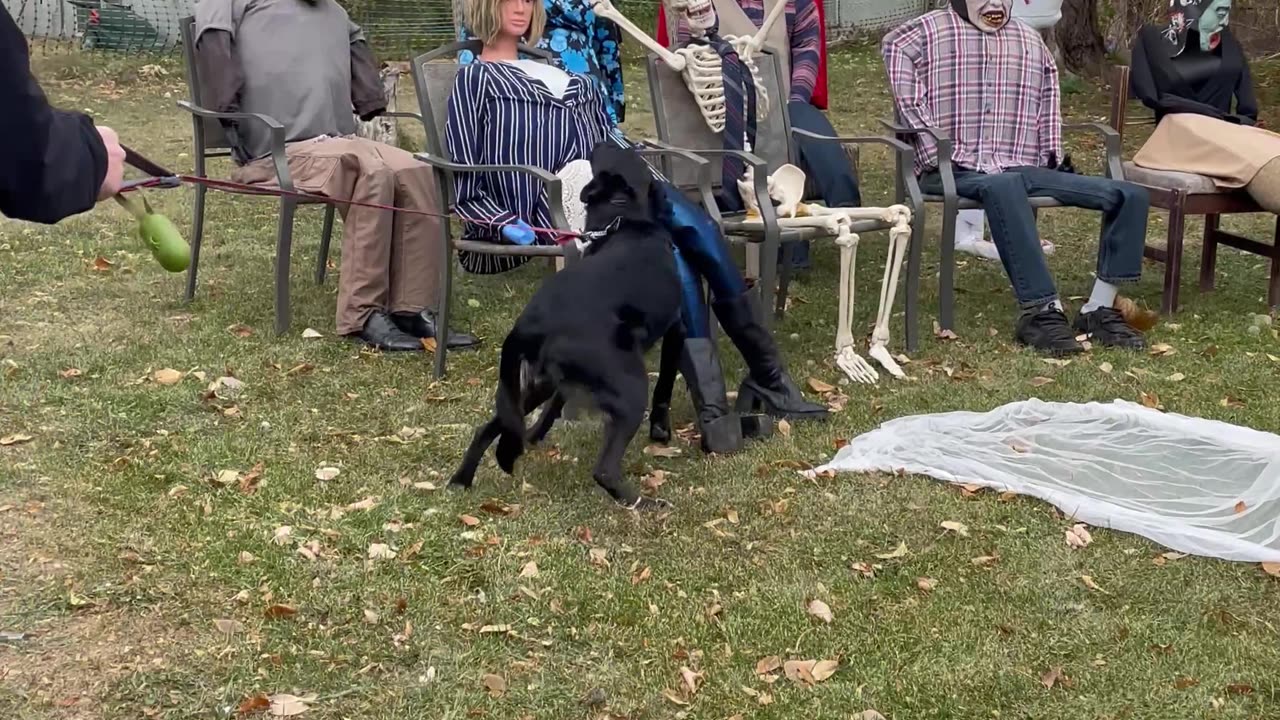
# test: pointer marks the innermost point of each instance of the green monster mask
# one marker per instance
(1206, 17)
(986, 15)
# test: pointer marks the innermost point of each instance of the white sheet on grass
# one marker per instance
(1197, 486)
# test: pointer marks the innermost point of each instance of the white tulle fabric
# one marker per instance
(1197, 486)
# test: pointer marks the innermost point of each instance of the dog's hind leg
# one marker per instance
(550, 413)
(465, 475)
(668, 368)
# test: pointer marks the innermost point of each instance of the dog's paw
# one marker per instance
(648, 504)
(460, 482)
(510, 447)
(660, 432)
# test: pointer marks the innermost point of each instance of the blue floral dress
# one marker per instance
(586, 45)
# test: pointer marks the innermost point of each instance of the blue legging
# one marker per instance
(701, 252)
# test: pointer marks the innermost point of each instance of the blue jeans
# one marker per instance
(1013, 225)
(701, 252)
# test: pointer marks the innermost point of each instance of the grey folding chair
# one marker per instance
(680, 123)
(952, 204)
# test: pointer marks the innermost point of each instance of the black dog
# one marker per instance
(587, 328)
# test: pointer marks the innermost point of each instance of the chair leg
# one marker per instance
(444, 303)
(784, 279)
(197, 239)
(1209, 253)
(322, 262)
(947, 267)
(1273, 286)
(284, 250)
(1173, 254)
(915, 259)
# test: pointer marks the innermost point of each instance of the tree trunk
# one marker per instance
(1078, 37)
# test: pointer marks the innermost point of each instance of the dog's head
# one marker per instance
(621, 190)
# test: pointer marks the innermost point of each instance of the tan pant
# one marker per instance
(388, 259)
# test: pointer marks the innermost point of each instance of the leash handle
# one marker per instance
(136, 159)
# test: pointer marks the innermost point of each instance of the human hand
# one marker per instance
(115, 163)
(518, 233)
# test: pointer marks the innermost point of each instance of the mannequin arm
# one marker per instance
(1246, 101)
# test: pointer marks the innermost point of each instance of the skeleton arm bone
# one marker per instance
(755, 42)
(606, 10)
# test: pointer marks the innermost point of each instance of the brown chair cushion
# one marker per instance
(1187, 182)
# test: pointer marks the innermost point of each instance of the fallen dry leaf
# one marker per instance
(1271, 568)
(253, 704)
(691, 681)
(1078, 536)
(240, 331)
(530, 570)
(985, 560)
(227, 626)
(768, 664)
(969, 489)
(784, 428)
(368, 503)
(642, 575)
(249, 481)
(809, 672)
(868, 715)
(15, 439)
(819, 386)
(1105, 367)
(280, 610)
(1039, 381)
(599, 557)
(1182, 683)
(101, 264)
(1051, 677)
(311, 334)
(1231, 402)
(469, 520)
(955, 527)
(325, 474)
(496, 685)
(1240, 507)
(245, 557)
(1239, 689)
(380, 551)
(820, 610)
(70, 373)
(1176, 377)
(665, 451)
(926, 584)
(167, 376)
(941, 334)
(285, 705)
(895, 553)
(281, 535)
(674, 697)
(1150, 400)
(1089, 583)
(1162, 350)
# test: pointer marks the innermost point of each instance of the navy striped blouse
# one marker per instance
(500, 115)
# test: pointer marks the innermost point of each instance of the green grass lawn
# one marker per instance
(155, 586)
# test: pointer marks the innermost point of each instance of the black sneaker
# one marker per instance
(1107, 327)
(1047, 331)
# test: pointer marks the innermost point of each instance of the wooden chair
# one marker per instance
(679, 123)
(1187, 194)
(433, 78)
(953, 203)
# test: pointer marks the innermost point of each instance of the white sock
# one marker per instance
(1103, 296)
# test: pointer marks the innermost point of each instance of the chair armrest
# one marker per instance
(849, 140)
(760, 183)
(402, 114)
(945, 148)
(937, 134)
(278, 157)
(550, 183)
(657, 148)
(1111, 140)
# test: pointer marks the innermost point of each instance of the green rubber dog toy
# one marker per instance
(160, 235)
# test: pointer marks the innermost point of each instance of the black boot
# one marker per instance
(768, 387)
(700, 365)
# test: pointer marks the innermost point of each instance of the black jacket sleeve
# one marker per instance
(52, 162)
(367, 96)
(1246, 101)
(1142, 83)
(221, 78)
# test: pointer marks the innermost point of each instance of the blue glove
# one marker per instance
(518, 233)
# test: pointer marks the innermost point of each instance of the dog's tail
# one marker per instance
(509, 404)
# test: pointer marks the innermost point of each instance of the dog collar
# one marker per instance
(586, 237)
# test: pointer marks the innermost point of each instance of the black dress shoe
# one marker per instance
(423, 325)
(380, 332)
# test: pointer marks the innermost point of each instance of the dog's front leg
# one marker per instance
(465, 475)
(623, 407)
(668, 368)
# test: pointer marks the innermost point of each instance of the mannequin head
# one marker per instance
(1207, 18)
(700, 15)
(986, 15)
(506, 23)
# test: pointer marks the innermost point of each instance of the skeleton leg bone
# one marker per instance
(899, 238)
(854, 365)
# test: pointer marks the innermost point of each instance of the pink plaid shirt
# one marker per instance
(995, 94)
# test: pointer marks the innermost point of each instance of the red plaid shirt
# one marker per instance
(995, 94)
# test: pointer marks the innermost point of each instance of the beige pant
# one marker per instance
(388, 259)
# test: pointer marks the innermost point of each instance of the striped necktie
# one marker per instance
(739, 93)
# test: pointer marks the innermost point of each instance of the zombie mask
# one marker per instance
(699, 14)
(1206, 17)
(986, 15)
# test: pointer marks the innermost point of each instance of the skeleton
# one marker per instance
(786, 188)
(700, 65)
(701, 68)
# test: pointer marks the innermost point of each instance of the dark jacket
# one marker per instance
(52, 162)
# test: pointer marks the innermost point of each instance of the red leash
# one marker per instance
(163, 178)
